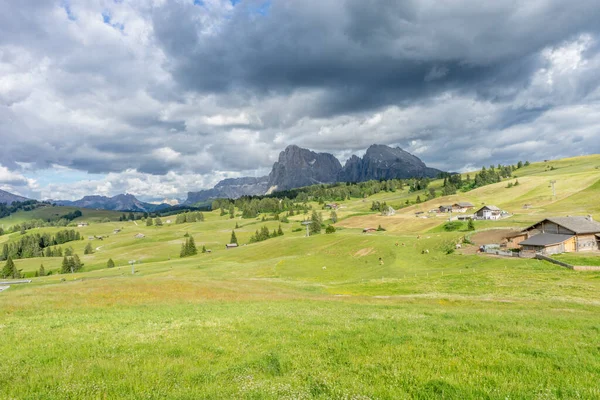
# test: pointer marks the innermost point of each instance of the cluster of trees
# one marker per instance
(156, 221)
(487, 176)
(263, 234)
(33, 245)
(188, 248)
(129, 217)
(71, 264)
(72, 215)
(28, 205)
(377, 206)
(189, 217)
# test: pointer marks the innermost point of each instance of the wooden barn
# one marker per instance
(560, 235)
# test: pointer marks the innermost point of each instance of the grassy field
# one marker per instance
(55, 212)
(388, 315)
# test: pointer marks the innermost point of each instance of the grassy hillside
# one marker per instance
(54, 213)
(347, 315)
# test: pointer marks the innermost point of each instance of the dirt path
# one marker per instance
(494, 236)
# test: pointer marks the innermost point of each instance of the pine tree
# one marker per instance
(203, 249)
(233, 239)
(183, 251)
(110, 263)
(236, 226)
(42, 271)
(192, 251)
(158, 222)
(231, 211)
(77, 264)
(279, 231)
(149, 222)
(65, 266)
(333, 216)
(471, 225)
(69, 251)
(88, 249)
(9, 270)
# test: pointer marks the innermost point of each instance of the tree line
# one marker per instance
(37, 245)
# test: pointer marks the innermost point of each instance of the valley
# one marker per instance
(397, 313)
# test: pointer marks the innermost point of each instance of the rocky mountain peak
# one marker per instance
(297, 167)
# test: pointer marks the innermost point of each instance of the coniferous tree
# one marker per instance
(158, 222)
(42, 270)
(233, 239)
(203, 249)
(471, 225)
(77, 264)
(149, 222)
(279, 231)
(10, 270)
(110, 263)
(192, 251)
(231, 211)
(333, 216)
(64, 269)
(88, 249)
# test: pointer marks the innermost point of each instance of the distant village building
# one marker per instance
(168, 221)
(559, 235)
(445, 209)
(231, 246)
(332, 206)
(82, 224)
(489, 212)
(462, 207)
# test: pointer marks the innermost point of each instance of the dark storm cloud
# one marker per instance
(367, 54)
(212, 91)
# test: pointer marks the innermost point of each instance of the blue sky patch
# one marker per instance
(67, 8)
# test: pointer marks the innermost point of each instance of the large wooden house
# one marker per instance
(488, 212)
(559, 235)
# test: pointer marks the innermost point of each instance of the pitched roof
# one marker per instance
(491, 208)
(545, 239)
(577, 224)
(464, 204)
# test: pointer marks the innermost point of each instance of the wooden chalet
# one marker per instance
(488, 212)
(462, 206)
(558, 235)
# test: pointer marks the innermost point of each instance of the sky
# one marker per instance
(160, 97)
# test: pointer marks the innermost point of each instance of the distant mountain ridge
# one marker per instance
(298, 167)
(121, 202)
(9, 198)
(231, 188)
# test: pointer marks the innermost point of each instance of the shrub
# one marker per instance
(330, 229)
(453, 226)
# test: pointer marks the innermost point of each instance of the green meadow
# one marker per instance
(396, 314)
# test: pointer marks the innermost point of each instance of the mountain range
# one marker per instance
(9, 198)
(298, 167)
(121, 202)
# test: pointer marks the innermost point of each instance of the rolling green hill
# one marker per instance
(392, 314)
